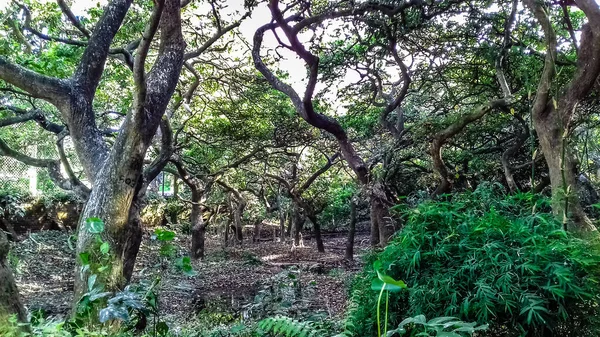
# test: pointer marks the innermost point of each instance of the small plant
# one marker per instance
(289, 327)
(136, 305)
(165, 237)
(384, 283)
(439, 327)
(184, 264)
(95, 263)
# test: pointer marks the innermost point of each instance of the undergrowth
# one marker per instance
(491, 258)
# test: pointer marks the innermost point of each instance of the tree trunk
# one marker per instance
(318, 237)
(282, 216)
(562, 170)
(134, 238)
(290, 224)
(198, 227)
(298, 221)
(445, 185)
(351, 232)
(520, 139)
(552, 116)
(257, 229)
(10, 303)
(239, 227)
(380, 218)
(226, 234)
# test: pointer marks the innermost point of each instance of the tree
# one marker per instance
(10, 303)
(553, 115)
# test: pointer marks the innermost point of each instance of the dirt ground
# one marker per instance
(44, 265)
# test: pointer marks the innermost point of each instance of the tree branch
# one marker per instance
(69, 14)
(90, 68)
(48, 88)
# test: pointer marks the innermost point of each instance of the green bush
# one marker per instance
(491, 258)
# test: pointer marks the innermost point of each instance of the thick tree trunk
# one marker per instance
(317, 228)
(239, 226)
(552, 116)
(257, 230)
(351, 232)
(198, 227)
(10, 303)
(562, 170)
(134, 238)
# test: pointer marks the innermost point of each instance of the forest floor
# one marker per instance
(229, 279)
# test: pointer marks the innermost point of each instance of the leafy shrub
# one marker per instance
(491, 258)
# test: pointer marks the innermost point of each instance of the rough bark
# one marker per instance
(10, 303)
(298, 221)
(317, 229)
(349, 255)
(133, 238)
(119, 178)
(552, 115)
(198, 227)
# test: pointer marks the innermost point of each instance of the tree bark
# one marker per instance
(239, 225)
(118, 179)
(317, 228)
(282, 216)
(562, 170)
(349, 255)
(290, 224)
(298, 221)
(133, 239)
(10, 303)
(552, 116)
(198, 227)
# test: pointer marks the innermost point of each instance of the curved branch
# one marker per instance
(442, 137)
(139, 62)
(52, 166)
(314, 176)
(90, 68)
(69, 14)
(48, 88)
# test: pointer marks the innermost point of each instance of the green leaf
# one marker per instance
(94, 225)
(105, 248)
(164, 235)
(393, 285)
(162, 329)
(92, 281)
(84, 258)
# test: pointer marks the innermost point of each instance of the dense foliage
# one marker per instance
(492, 258)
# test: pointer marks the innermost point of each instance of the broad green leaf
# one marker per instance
(105, 248)
(94, 225)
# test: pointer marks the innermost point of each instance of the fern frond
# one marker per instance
(289, 327)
